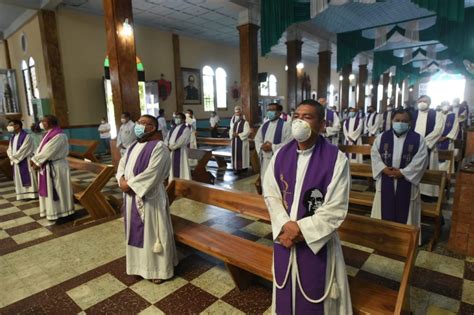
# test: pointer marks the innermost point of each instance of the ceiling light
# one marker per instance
(300, 65)
(127, 29)
(341, 78)
(352, 76)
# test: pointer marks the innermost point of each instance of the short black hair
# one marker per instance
(161, 111)
(126, 114)
(278, 106)
(319, 108)
(153, 119)
(16, 122)
(191, 111)
(402, 111)
(52, 120)
(181, 115)
(423, 96)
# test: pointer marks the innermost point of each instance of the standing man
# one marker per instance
(333, 126)
(450, 133)
(162, 123)
(399, 160)
(306, 190)
(150, 248)
(462, 113)
(214, 124)
(104, 134)
(271, 136)
(20, 150)
(387, 119)
(372, 122)
(239, 134)
(353, 127)
(192, 123)
(55, 190)
(126, 135)
(429, 124)
(178, 141)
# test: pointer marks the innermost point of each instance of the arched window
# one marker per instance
(221, 88)
(272, 85)
(25, 70)
(208, 88)
(34, 80)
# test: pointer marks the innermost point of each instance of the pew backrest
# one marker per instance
(356, 149)
(89, 145)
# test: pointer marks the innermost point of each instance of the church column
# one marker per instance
(294, 75)
(248, 35)
(53, 65)
(385, 83)
(375, 91)
(362, 82)
(346, 71)
(122, 57)
(179, 89)
(8, 62)
(324, 70)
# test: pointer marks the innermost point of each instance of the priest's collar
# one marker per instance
(403, 135)
(307, 151)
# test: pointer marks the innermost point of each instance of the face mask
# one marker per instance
(237, 118)
(177, 121)
(41, 126)
(422, 106)
(188, 115)
(352, 114)
(102, 122)
(10, 128)
(400, 127)
(123, 120)
(300, 130)
(271, 115)
(389, 108)
(139, 130)
(445, 109)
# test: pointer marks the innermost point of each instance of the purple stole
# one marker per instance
(329, 118)
(430, 121)
(396, 204)
(447, 129)
(278, 131)
(312, 268)
(23, 165)
(372, 117)
(356, 124)
(385, 116)
(177, 153)
(137, 227)
(237, 144)
(461, 111)
(43, 183)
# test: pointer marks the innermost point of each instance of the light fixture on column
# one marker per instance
(286, 67)
(300, 66)
(352, 77)
(371, 86)
(127, 29)
(341, 78)
(410, 89)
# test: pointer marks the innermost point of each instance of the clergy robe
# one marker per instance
(191, 122)
(162, 126)
(54, 177)
(451, 130)
(333, 126)
(20, 150)
(277, 132)
(429, 124)
(462, 113)
(240, 145)
(373, 122)
(320, 179)
(387, 120)
(353, 128)
(177, 142)
(126, 136)
(398, 200)
(145, 166)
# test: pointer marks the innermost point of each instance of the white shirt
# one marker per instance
(213, 121)
(104, 131)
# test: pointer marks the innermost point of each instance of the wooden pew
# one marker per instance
(368, 140)
(90, 147)
(91, 197)
(432, 211)
(447, 155)
(220, 142)
(244, 258)
(357, 149)
(200, 172)
(5, 166)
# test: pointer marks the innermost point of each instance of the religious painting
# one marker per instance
(8, 92)
(192, 85)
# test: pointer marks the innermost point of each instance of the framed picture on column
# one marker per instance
(192, 82)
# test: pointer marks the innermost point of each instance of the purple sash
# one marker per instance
(444, 145)
(137, 227)
(370, 117)
(430, 121)
(177, 152)
(278, 131)
(43, 183)
(237, 146)
(312, 268)
(396, 205)
(329, 118)
(23, 165)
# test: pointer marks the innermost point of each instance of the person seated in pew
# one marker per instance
(239, 135)
(177, 142)
(20, 150)
(399, 159)
(150, 246)
(54, 178)
(271, 136)
(450, 133)
(306, 189)
(125, 136)
(214, 124)
(353, 127)
(373, 122)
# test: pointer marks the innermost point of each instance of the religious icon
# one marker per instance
(313, 199)
(235, 90)
(164, 88)
(192, 85)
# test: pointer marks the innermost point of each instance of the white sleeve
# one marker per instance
(414, 171)
(285, 137)
(433, 137)
(51, 150)
(25, 150)
(258, 139)
(244, 135)
(453, 134)
(377, 163)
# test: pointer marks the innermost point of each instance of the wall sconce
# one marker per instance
(300, 66)
(286, 67)
(352, 76)
(127, 29)
(410, 89)
(341, 78)
(371, 86)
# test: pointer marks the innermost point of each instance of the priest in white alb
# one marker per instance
(54, 177)
(373, 122)
(271, 136)
(450, 133)
(333, 126)
(399, 159)
(306, 190)
(387, 118)
(20, 150)
(353, 128)
(177, 142)
(150, 247)
(239, 134)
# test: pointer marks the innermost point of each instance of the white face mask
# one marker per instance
(41, 126)
(10, 128)
(188, 115)
(237, 118)
(300, 130)
(123, 120)
(102, 121)
(445, 108)
(423, 106)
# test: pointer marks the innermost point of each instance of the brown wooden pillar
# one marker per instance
(346, 71)
(324, 73)
(7, 54)
(122, 58)
(249, 71)
(375, 92)
(363, 76)
(385, 82)
(53, 65)
(177, 73)
(294, 76)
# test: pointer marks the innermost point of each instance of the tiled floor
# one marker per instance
(61, 269)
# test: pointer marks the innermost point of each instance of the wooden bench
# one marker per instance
(90, 196)
(357, 149)
(5, 166)
(244, 258)
(432, 211)
(90, 147)
(219, 142)
(447, 155)
(368, 140)
(200, 172)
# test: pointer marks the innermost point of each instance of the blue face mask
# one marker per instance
(177, 121)
(352, 114)
(271, 115)
(139, 130)
(400, 127)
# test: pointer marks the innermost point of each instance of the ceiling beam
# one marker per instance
(19, 22)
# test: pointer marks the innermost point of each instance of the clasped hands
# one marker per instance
(290, 234)
(267, 147)
(392, 172)
(124, 185)
(34, 166)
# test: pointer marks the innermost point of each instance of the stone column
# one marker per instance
(324, 71)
